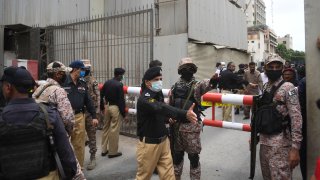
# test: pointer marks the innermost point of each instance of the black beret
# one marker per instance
(77, 64)
(18, 76)
(152, 73)
(119, 71)
(241, 65)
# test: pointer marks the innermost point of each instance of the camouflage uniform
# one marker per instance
(57, 96)
(188, 136)
(274, 149)
(94, 92)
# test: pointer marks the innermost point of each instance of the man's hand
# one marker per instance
(95, 122)
(191, 116)
(294, 158)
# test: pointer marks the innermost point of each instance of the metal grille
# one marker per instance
(121, 40)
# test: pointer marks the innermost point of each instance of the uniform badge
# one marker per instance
(147, 94)
(292, 92)
(151, 100)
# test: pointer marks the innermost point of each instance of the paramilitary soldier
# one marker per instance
(24, 135)
(184, 93)
(79, 98)
(50, 92)
(153, 149)
(94, 93)
(280, 130)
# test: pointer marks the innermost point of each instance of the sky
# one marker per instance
(288, 18)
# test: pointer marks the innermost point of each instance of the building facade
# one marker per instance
(270, 41)
(255, 12)
(256, 45)
(286, 40)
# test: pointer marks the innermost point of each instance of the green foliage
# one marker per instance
(289, 54)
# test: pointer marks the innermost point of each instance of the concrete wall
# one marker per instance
(206, 56)
(312, 30)
(169, 50)
(1, 37)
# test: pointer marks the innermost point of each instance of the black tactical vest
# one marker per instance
(180, 93)
(24, 150)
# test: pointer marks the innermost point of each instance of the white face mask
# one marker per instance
(156, 86)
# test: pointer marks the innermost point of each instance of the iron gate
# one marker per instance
(121, 40)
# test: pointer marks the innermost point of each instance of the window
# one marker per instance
(252, 41)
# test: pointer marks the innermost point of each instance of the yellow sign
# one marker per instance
(208, 103)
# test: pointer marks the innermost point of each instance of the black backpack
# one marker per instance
(268, 119)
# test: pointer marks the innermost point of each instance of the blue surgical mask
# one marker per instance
(156, 86)
(82, 73)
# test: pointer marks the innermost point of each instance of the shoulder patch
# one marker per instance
(147, 95)
(292, 92)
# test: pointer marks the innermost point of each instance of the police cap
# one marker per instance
(152, 73)
(18, 77)
(77, 64)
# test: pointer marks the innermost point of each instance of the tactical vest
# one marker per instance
(268, 119)
(24, 150)
(180, 93)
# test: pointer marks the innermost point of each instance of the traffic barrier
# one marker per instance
(210, 99)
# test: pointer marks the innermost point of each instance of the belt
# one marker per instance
(78, 111)
(153, 140)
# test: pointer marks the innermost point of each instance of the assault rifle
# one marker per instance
(254, 138)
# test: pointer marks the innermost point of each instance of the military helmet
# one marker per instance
(186, 63)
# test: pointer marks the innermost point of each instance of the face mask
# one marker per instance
(273, 75)
(82, 73)
(87, 72)
(186, 74)
(156, 86)
(63, 79)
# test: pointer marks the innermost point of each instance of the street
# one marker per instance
(225, 156)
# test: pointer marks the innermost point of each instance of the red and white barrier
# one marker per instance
(236, 99)
(227, 125)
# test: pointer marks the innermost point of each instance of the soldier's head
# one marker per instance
(17, 83)
(119, 73)
(231, 66)
(252, 67)
(57, 71)
(152, 79)
(273, 67)
(155, 63)
(289, 75)
(187, 68)
(78, 69)
(87, 65)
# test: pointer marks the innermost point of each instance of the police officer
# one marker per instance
(112, 93)
(94, 93)
(279, 153)
(230, 83)
(79, 98)
(184, 93)
(23, 145)
(153, 149)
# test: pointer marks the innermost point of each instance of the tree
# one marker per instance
(290, 55)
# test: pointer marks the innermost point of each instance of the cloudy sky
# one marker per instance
(288, 18)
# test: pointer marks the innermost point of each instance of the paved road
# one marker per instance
(225, 156)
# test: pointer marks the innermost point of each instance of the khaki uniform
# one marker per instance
(94, 92)
(274, 149)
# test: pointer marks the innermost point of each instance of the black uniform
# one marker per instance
(79, 97)
(22, 112)
(152, 113)
(112, 91)
(153, 150)
(230, 81)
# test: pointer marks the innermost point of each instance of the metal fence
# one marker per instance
(117, 40)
